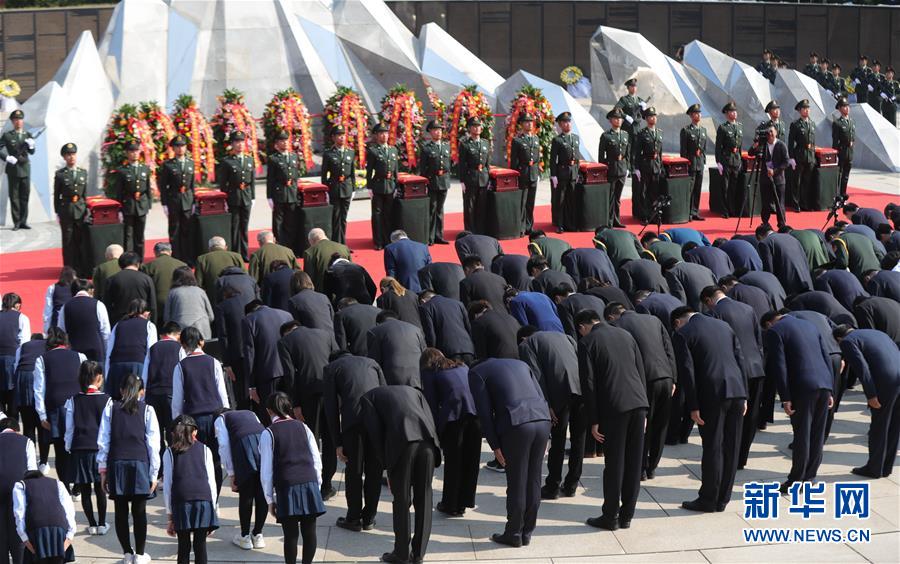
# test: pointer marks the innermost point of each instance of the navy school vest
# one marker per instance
(61, 295)
(61, 368)
(131, 340)
(83, 327)
(292, 461)
(201, 396)
(9, 332)
(190, 481)
(13, 463)
(127, 437)
(163, 360)
(42, 505)
(29, 353)
(88, 409)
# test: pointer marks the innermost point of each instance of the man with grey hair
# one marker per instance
(210, 265)
(318, 256)
(403, 258)
(105, 270)
(160, 270)
(268, 251)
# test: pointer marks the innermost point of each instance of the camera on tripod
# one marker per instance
(838, 202)
(662, 202)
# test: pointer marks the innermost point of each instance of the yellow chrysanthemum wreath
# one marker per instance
(571, 75)
(9, 88)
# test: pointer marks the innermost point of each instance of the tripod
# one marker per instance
(838, 202)
(662, 202)
(753, 181)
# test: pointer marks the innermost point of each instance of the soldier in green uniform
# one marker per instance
(765, 67)
(802, 151)
(812, 69)
(615, 153)
(729, 137)
(774, 111)
(693, 139)
(236, 177)
(474, 172)
(381, 178)
(837, 85)
(176, 190)
(647, 163)
(824, 73)
(339, 174)
(564, 158)
(550, 248)
(525, 157)
(16, 145)
(874, 86)
(132, 190)
(434, 164)
(282, 175)
(632, 105)
(843, 134)
(69, 186)
(890, 90)
(860, 77)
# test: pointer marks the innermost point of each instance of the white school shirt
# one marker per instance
(30, 459)
(145, 371)
(225, 444)
(38, 385)
(20, 504)
(70, 417)
(266, 453)
(168, 470)
(151, 434)
(178, 385)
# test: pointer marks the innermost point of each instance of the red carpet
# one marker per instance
(29, 273)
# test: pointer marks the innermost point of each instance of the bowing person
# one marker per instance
(45, 518)
(515, 421)
(446, 326)
(129, 343)
(397, 346)
(263, 369)
(18, 458)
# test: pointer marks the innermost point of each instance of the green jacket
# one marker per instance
(631, 107)
(693, 140)
(843, 135)
(103, 272)
(662, 251)
(857, 253)
(12, 143)
(615, 152)
(525, 157)
(648, 151)
(551, 249)
(69, 186)
(263, 257)
(317, 258)
(339, 172)
(160, 270)
(282, 174)
(764, 125)
(382, 164)
(474, 162)
(434, 164)
(802, 141)
(210, 265)
(132, 189)
(236, 175)
(565, 154)
(619, 244)
(729, 137)
(813, 244)
(176, 184)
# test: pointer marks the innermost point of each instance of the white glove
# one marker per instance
(637, 174)
(720, 168)
(885, 96)
(121, 217)
(30, 143)
(793, 163)
(871, 89)
(554, 181)
(629, 119)
(856, 82)
(11, 160)
(271, 204)
(643, 105)
(57, 218)
(166, 210)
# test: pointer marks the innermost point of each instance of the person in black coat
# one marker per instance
(603, 290)
(876, 361)
(569, 304)
(799, 362)
(783, 255)
(754, 297)
(397, 346)
(276, 286)
(394, 297)
(445, 324)
(493, 332)
(545, 278)
(710, 369)
(864, 216)
(442, 278)
(261, 331)
(743, 321)
(346, 378)
(842, 284)
(712, 258)
(484, 247)
(515, 421)
(686, 281)
(352, 322)
(553, 359)
(513, 269)
(615, 403)
(660, 376)
(879, 313)
(743, 253)
(228, 328)
(660, 306)
(768, 283)
(883, 283)
(642, 274)
(399, 424)
(344, 279)
(583, 263)
(479, 284)
(312, 309)
(237, 278)
(126, 285)
(822, 302)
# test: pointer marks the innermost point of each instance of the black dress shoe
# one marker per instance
(15, 228)
(378, 248)
(440, 241)
(568, 491)
(643, 475)
(725, 215)
(24, 226)
(619, 224)
(697, 217)
(509, 540)
(651, 474)
(328, 493)
(720, 508)
(449, 512)
(864, 472)
(603, 523)
(560, 230)
(549, 493)
(783, 489)
(696, 505)
(762, 426)
(343, 523)
(526, 541)
(624, 523)
(391, 557)
(368, 525)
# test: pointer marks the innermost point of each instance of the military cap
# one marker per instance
(825, 62)
(650, 111)
(68, 149)
(767, 51)
(473, 121)
(729, 107)
(282, 135)
(876, 62)
(835, 66)
(178, 141)
(380, 128)
(804, 103)
(132, 146)
(631, 82)
(237, 136)
(889, 69)
(433, 124)
(841, 102)
(17, 114)
(337, 130)
(863, 58)
(693, 109)
(615, 113)
(813, 54)
(773, 105)
(565, 116)
(525, 117)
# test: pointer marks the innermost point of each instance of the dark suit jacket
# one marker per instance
(346, 379)
(506, 395)
(304, 353)
(642, 274)
(276, 288)
(228, 329)
(754, 297)
(768, 283)
(585, 263)
(513, 269)
(124, 286)
(261, 332)
(484, 246)
(886, 284)
(403, 259)
(653, 341)
(783, 256)
(312, 309)
(796, 358)
(405, 306)
(611, 371)
(393, 417)
(553, 358)
(778, 157)
(824, 303)
(610, 294)
(352, 325)
(825, 327)
(237, 278)
(712, 258)
(686, 281)
(842, 284)
(210, 267)
(710, 363)
(397, 346)
(483, 285)
(661, 306)
(160, 270)
(534, 308)
(572, 306)
(317, 258)
(549, 279)
(870, 217)
(448, 394)
(446, 326)
(879, 313)
(875, 360)
(745, 324)
(494, 335)
(442, 278)
(742, 254)
(348, 280)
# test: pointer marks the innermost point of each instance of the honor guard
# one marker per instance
(282, 177)
(812, 69)
(525, 157)
(802, 151)
(339, 174)
(693, 148)
(381, 178)
(434, 164)
(837, 85)
(564, 159)
(16, 146)
(69, 186)
(176, 188)
(474, 171)
(843, 134)
(236, 176)
(860, 78)
(874, 86)
(647, 162)
(132, 190)
(774, 111)
(632, 105)
(890, 90)
(615, 152)
(729, 137)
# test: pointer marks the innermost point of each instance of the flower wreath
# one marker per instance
(345, 108)
(193, 125)
(287, 112)
(402, 111)
(530, 100)
(231, 116)
(468, 103)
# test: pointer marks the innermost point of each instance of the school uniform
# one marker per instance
(291, 470)
(126, 351)
(57, 295)
(15, 329)
(45, 517)
(157, 373)
(26, 356)
(129, 450)
(91, 319)
(55, 381)
(83, 414)
(189, 488)
(18, 458)
(238, 433)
